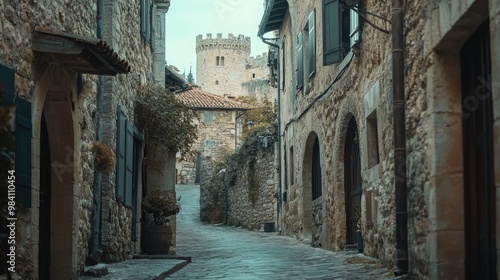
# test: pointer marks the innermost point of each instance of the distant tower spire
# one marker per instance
(190, 78)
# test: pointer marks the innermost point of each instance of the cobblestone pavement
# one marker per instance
(220, 252)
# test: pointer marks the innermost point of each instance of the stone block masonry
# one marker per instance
(251, 200)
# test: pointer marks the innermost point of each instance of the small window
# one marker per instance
(217, 61)
(216, 82)
(253, 75)
(222, 61)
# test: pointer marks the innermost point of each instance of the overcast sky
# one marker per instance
(188, 18)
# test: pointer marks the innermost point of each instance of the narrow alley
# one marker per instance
(220, 252)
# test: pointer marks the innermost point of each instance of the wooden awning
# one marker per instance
(82, 54)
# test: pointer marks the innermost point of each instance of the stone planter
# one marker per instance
(156, 239)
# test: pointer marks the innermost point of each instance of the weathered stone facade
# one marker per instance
(65, 101)
(224, 67)
(251, 202)
(219, 129)
(215, 138)
(434, 34)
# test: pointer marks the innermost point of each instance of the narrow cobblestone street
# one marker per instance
(220, 252)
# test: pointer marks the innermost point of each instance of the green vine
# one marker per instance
(252, 183)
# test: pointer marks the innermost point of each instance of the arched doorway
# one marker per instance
(352, 181)
(312, 187)
(57, 241)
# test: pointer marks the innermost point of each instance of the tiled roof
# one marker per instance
(195, 98)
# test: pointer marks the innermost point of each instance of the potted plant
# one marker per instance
(162, 204)
(104, 157)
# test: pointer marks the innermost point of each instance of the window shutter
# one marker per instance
(300, 64)
(151, 24)
(7, 93)
(354, 27)
(120, 156)
(147, 22)
(331, 32)
(143, 18)
(311, 47)
(129, 163)
(23, 151)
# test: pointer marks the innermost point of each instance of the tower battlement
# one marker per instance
(259, 60)
(240, 42)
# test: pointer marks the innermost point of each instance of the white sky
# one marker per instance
(188, 18)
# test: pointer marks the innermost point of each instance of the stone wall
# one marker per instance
(252, 201)
(240, 75)
(433, 35)
(303, 119)
(216, 138)
(241, 191)
(121, 29)
(226, 77)
(68, 102)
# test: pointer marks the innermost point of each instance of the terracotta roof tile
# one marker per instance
(198, 99)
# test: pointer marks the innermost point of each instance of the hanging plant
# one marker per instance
(166, 121)
(104, 157)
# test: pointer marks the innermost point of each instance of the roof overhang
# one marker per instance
(273, 16)
(173, 75)
(81, 54)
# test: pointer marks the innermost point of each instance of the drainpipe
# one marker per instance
(97, 191)
(280, 198)
(399, 137)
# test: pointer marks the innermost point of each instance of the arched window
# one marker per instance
(222, 61)
(216, 82)
(217, 61)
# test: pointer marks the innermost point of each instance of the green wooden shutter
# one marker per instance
(7, 84)
(23, 152)
(120, 156)
(311, 46)
(129, 162)
(300, 64)
(331, 32)
(143, 18)
(151, 24)
(147, 20)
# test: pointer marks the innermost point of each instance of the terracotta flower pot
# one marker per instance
(156, 239)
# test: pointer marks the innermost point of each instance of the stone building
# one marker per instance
(218, 130)
(74, 67)
(351, 157)
(224, 67)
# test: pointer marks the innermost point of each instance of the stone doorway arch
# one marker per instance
(310, 160)
(53, 95)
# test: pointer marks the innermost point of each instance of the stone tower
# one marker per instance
(221, 64)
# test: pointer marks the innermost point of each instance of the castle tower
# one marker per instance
(221, 64)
